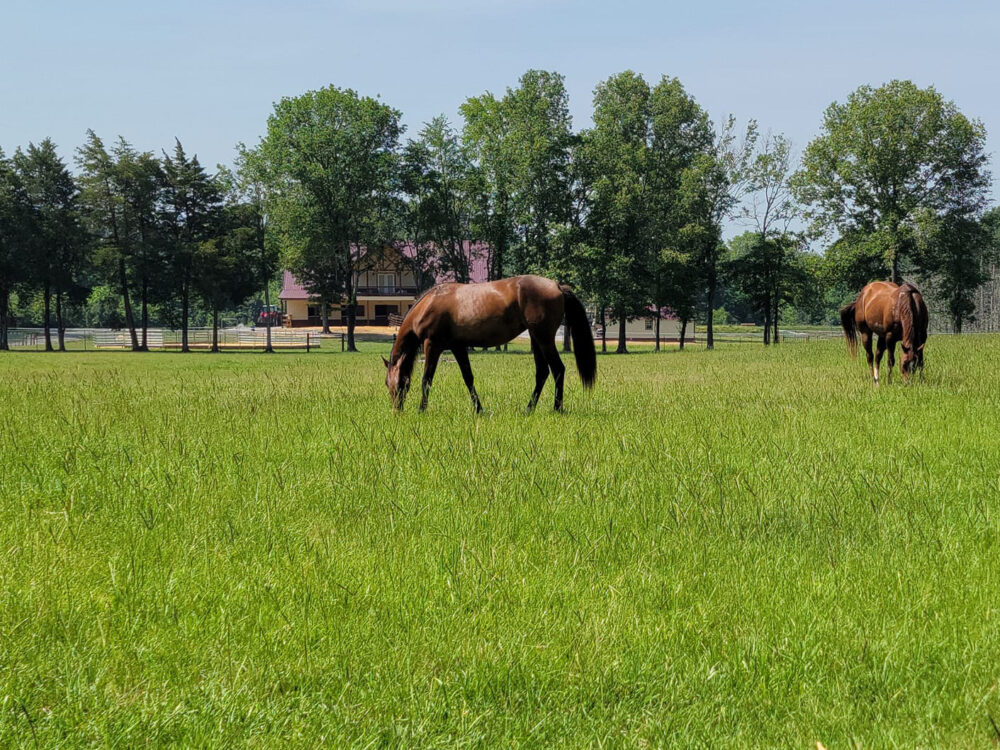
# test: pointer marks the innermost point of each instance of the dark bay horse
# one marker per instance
(459, 316)
(895, 314)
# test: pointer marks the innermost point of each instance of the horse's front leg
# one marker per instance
(431, 355)
(462, 357)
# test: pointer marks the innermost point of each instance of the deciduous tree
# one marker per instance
(250, 197)
(336, 155)
(437, 176)
(770, 207)
(613, 165)
(887, 156)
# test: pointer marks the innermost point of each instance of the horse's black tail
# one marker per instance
(583, 338)
(850, 327)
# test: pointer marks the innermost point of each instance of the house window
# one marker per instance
(345, 311)
(312, 311)
(386, 283)
(649, 324)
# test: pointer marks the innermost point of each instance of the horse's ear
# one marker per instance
(386, 362)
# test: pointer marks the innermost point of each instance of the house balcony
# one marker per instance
(387, 291)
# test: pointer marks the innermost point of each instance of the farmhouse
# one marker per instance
(644, 328)
(389, 285)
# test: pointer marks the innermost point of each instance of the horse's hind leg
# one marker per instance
(558, 370)
(879, 351)
(431, 355)
(866, 342)
(462, 357)
(541, 373)
(890, 343)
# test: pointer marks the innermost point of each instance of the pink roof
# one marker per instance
(291, 288)
(477, 252)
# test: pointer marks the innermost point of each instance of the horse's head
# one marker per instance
(397, 381)
(913, 359)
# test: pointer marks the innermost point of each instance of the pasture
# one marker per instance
(737, 548)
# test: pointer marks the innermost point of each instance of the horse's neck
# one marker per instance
(908, 319)
(405, 350)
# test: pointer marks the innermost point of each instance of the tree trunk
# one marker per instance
(709, 333)
(604, 331)
(145, 315)
(185, 310)
(684, 325)
(895, 267)
(352, 300)
(267, 306)
(956, 323)
(215, 328)
(4, 312)
(46, 321)
(657, 330)
(129, 317)
(60, 326)
(621, 334)
(775, 338)
(767, 323)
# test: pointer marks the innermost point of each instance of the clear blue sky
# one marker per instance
(208, 72)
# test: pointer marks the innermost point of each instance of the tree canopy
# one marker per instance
(887, 157)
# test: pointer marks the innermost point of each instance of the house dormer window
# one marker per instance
(386, 283)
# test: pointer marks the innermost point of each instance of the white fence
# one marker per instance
(167, 339)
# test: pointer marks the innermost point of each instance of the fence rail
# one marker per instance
(168, 339)
(784, 335)
(286, 338)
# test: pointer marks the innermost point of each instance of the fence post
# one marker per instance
(341, 342)
(307, 342)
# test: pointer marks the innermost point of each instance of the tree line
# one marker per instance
(631, 210)
(156, 232)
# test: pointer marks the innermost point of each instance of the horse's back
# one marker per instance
(880, 303)
(488, 313)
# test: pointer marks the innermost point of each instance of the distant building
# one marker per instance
(644, 328)
(389, 287)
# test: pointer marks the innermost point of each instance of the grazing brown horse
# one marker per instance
(458, 316)
(894, 313)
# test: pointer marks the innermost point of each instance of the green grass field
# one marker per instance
(739, 548)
